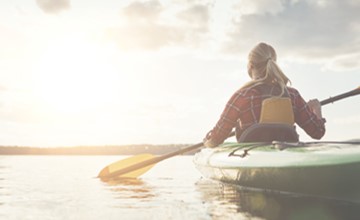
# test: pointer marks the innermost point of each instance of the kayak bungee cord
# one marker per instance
(250, 147)
(281, 145)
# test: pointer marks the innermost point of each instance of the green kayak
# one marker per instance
(325, 169)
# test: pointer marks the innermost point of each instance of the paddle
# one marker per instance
(135, 166)
(341, 96)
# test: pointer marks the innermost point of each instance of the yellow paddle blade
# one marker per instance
(121, 164)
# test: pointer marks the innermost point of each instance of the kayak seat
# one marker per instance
(277, 110)
(276, 123)
(268, 132)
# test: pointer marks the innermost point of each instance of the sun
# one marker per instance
(76, 75)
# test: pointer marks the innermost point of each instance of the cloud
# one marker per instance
(196, 15)
(345, 62)
(307, 29)
(150, 25)
(53, 6)
(271, 7)
(142, 11)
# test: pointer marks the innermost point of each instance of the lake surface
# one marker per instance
(66, 187)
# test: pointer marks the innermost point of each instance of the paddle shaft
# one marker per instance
(196, 146)
(341, 96)
(152, 161)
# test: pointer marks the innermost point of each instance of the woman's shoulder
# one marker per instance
(292, 91)
(244, 94)
(247, 91)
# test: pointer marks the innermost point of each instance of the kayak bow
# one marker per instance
(317, 169)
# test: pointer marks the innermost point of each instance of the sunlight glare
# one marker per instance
(77, 75)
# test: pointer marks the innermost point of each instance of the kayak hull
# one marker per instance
(325, 171)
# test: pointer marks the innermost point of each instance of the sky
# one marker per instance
(160, 72)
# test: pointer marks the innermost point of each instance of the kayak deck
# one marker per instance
(327, 170)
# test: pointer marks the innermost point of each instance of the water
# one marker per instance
(65, 187)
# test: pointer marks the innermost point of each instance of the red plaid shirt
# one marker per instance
(244, 107)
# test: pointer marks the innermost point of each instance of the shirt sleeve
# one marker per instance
(227, 121)
(306, 119)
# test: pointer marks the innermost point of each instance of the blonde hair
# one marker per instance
(263, 69)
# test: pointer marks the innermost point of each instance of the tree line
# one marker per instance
(93, 150)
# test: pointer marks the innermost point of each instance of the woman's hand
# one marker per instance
(208, 142)
(315, 106)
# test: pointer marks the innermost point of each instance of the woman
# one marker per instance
(244, 107)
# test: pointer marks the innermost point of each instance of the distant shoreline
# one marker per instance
(94, 150)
